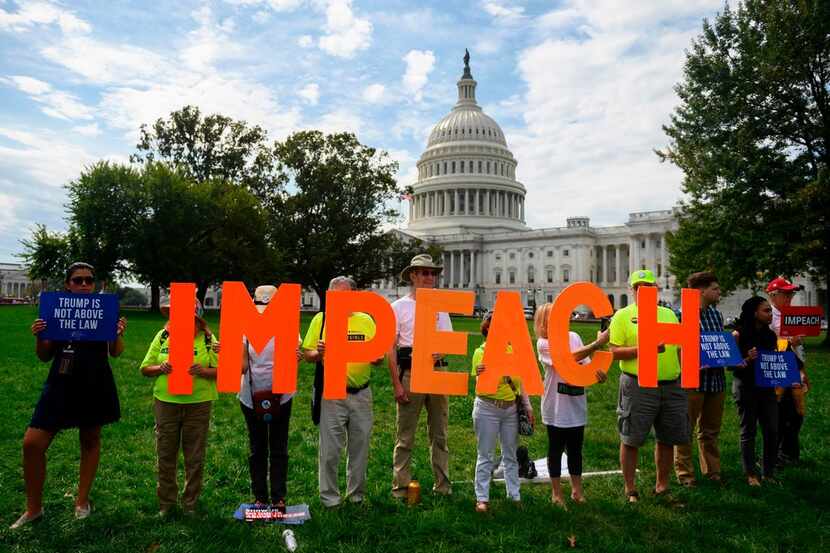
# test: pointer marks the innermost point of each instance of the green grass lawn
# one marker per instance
(791, 516)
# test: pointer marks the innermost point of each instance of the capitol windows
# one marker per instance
(550, 298)
(498, 277)
(550, 253)
(453, 167)
(512, 255)
(470, 167)
(531, 275)
(488, 167)
(565, 253)
(430, 170)
(461, 164)
(445, 167)
(550, 276)
(566, 275)
(512, 277)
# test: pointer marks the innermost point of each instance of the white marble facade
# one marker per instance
(15, 283)
(468, 201)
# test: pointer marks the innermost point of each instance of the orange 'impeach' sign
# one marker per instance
(281, 321)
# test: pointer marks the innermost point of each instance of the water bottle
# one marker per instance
(413, 493)
(290, 540)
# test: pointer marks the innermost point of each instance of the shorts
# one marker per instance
(665, 408)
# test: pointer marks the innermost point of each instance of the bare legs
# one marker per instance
(663, 459)
(90, 439)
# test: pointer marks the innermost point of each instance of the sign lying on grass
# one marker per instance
(776, 368)
(718, 349)
(79, 317)
(281, 321)
(801, 321)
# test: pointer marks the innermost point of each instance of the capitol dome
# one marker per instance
(467, 175)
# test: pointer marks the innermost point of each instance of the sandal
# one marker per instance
(633, 496)
(280, 506)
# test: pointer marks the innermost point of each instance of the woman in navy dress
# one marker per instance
(79, 393)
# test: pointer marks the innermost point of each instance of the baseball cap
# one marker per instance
(781, 284)
(641, 276)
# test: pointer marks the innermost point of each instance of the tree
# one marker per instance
(751, 135)
(104, 206)
(210, 147)
(330, 220)
(131, 297)
(198, 232)
(47, 255)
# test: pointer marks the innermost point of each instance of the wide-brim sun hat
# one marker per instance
(420, 261)
(641, 276)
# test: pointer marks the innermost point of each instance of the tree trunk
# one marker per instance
(201, 292)
(321, 293)
(155, 298)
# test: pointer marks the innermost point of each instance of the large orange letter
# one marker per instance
(510, 331)
(280, 320)
(579, 293)
(427, 340)
(651, 334)
(182, 328)
(339, 350)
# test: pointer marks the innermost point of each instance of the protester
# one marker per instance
(564, 407)
(344, 421)
(182, 421)
(705, 403)
(755, 404)
(495, 419)
(421, 273)
(266, 416)
(665, 408)
(79, 393)
(791, 406)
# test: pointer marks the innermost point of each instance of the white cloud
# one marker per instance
(592, 124)
(103, 63)
(44, 156)
(339, 121)
(305, 41)
(276, 5)
(33, 13)
(505, 13)
(210, 42)
(346, 34)
(419, 65)
(8, 216)
(90, 130)
(374, 93)
(55, 103)
(310, 93)
(262, 17)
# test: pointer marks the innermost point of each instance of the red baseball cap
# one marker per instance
(781, 284)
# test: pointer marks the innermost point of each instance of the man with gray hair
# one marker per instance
(344, 421)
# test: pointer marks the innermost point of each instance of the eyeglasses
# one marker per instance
(83, 280)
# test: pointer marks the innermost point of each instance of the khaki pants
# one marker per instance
(437, 407)
(182, 426)
(705, 414)
(342, 422)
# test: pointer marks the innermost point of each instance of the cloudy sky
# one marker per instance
(580, 87)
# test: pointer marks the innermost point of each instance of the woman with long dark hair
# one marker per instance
(79, 393)
(755, 404)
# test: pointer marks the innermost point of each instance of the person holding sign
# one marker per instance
(495, 419)
(705, 403)
(79, 393)
(421, 273)
(791, 406)
(266, 416)
(755, 404)
(564, 407)
(182, 421)
(665, 408)
(346, 420)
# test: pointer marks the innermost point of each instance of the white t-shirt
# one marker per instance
(559, 406)
(404, 309)
(262, 366)
(776, 327)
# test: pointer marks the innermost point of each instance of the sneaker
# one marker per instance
(83, 511)
(25, 519)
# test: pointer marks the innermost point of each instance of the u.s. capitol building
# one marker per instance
(468, 201)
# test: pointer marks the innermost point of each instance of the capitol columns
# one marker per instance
(617, 266)
(604, 279)
(461, 270)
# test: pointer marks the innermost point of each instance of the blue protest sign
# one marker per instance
(718, 349)
(776, 368)
(79, 317)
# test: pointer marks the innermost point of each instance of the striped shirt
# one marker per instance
(712, 379)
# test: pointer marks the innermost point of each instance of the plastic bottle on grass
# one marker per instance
(290, 540)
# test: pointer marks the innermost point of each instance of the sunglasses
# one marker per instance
(83, 280)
